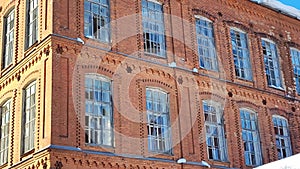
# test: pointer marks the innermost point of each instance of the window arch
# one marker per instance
(295, 54)
(8, 39)
(158, 120)
(250, 136)
(98, 110)
(4, 134)
(282, 135)
(214, 127)
(206, 44)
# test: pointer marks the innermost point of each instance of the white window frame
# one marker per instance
(214, 129)
(295, 55)
(283, 142)
(158, 121)
(206, 44)
(32, 22)
(97, 20)
(250, 137)
(4, 133)
(8, 39)
(29, 115)
(241, 56)
(153, 28)
(272, 64)
(98, 110)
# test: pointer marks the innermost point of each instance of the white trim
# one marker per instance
(269, 40)
(202, 17)
(238, 30)
(293, 48)
(154, 1)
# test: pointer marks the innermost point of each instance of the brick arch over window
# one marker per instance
(205, 14)
(279, 112)
(267, 36)
(212, 96)
(240, 26)
(9, 7)
(248, 105)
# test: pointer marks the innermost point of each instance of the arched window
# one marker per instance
(240, 51)
(29, 114)
(214, 127)
(8, 39)
(4, 135)
(283, 142)
(271, 60)
(153, 27)
(32, 22)
(295, 54)
(250, 135)
(97, 19)
(157, 104)
(98, 110)
(206, 44)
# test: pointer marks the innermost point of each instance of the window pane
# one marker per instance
(214, 131)
(98, 115)
(8, 39)
(158, 121)
(271, 60)
(153, 28)
(96, 20)
(250, 137)
(241, 55)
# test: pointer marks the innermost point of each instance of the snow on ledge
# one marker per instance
(276, 5)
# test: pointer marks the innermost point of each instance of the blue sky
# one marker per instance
(294, 3)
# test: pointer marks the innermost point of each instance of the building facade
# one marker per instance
(147, 84)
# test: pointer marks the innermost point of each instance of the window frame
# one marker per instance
(285, 137)
(164, 117)
(242, 63)
(7, 33)
(31, 121)
(274, 60)
(102, 118)
(156, 38)
(106, 28)
(5, 138)
(212, 59)
(256, 144)
(32, 34)
(219, 126)
(296, 67)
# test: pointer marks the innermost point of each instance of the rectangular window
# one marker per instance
(206, 44)
(32, 22)
(296, 66)
(271, 61)
(98, 111)
(241, 56)
(9, 39)
(29, 117)
(214, 127)
(250, 135)
(97, 20)
(158, 125)
(4, 136)
(283, 142)
(153, 27)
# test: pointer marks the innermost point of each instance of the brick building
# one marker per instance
(147, 84)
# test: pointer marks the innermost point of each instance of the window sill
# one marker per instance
(154, 55)
(95, 42)
(30, 49)
(99, 147)
(27, 154)
(219, 163)
(6, 69)
(276, 87)
(4, 165)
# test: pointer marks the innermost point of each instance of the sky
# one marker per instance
(294, 3)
